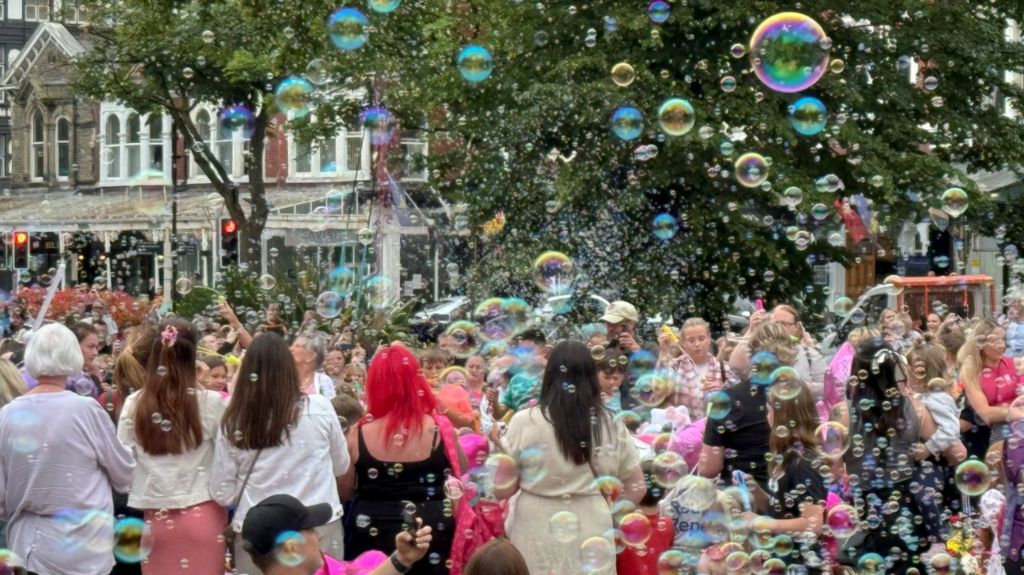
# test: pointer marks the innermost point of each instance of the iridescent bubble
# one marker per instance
(552, 270)
(342, 280)
(503, 469)
(611, 488)
(237, 118)
(267, 282)
(641, 362)
(348, 29)
(808, 116)
(565, 526)
(843, 521)
(379, 123)
(668, 468)
(293, 96)
(465, 338)
(676, 117)
(738, 51)
(652, 389)
(719, 404)
(751, 170)
(819, 212)
(786, 384)
(672, 562)
(954, 202)
(183, 285)
(133, 540)
(475, 63)
(871, 564)
(1010, 253)
(762, 365)
(329, 304)
(383, 6)
(737, 561)
(792, 196)
(288, 548)
(635, 529)
(972, 477)
(833, 439)
(786, 52)
(597, 554)
(658, 11)
(728, 84)
(623, 74)
(379, 292)
(627, 123)
(664, 227)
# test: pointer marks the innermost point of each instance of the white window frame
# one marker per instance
(57, 143)
(37, 147)
(239, 145)
(5, 155)
(132, 142)
(39, 10)
(121, 146)
(73, 11)
(3, 9)
(340, 144)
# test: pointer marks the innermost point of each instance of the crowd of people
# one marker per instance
(209, 446)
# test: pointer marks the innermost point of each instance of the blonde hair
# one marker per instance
(969, 357)
(862, 333)
(927, 360)
(450, 370)
(11, 383)
(696, 322)
(773, 337)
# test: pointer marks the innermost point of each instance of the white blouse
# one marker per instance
(172, 481)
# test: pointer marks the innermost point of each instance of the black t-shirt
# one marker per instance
(799, 483)
(743, 433)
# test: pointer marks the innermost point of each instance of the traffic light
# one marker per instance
(21, 240)
(228, 243)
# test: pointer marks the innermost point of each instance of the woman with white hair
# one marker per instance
(59, 459)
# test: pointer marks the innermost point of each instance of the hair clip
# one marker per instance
(169, 336)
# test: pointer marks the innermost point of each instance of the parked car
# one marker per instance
(443, 312)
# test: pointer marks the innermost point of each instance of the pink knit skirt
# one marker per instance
(187, 540)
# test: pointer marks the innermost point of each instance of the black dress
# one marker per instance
(383, 490)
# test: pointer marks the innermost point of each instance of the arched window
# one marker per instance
(63, 148)
(111, 156)
(134, 146)
(224, 147)
(156, 142)
(38, 146)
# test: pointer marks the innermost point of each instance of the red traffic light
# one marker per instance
(230, 226)
(20, 238)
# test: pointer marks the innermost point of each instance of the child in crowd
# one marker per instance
(454, 398)
(347, 408)
(610, 374)
(215, 377)
(930, 381)
(643, 560)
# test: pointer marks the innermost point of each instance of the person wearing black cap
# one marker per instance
(280, 536)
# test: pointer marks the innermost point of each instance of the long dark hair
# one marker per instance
(876, 366)
(570, 399)
(266, 396)
(169, 394)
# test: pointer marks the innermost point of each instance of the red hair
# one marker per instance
(395, 387)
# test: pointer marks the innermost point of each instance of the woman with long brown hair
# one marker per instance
(170, 424)
(275, 439)
(129, 369)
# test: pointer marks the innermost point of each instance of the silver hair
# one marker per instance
(53, 350)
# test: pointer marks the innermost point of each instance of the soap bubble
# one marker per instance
(664, 227)
(672, 562)
(293, 96)
(787, 54)
(636, 529)
(843, 521)
(819, 212)
(954, 202)
(565, 526)
(719, 404)
(597, 554)
(379, 122)
(267, 282)
(833, 439)
(383, 6)
(668, 468)
(623, 74)
(786, 384)
(329, 304)
(808, 116)
(552, 271)
(133, 540)
(658, 11)
(379, 292)
(504, 470)
(627, 123)
(676, 117)
(237, 118)
(751, 170)
(348, 29)
(342, 280)
(762, 366)
(465, 338)
(183, 285)
(972, 477)
(611, 488)
(475, 63)
(288, 548)
(792, 196)
(870, 564)
(653, 388)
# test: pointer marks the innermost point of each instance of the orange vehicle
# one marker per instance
(968, 296)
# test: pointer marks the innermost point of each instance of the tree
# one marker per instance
(534, 139)
(172, 55)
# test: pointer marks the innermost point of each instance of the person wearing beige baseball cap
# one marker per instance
(621, 318)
